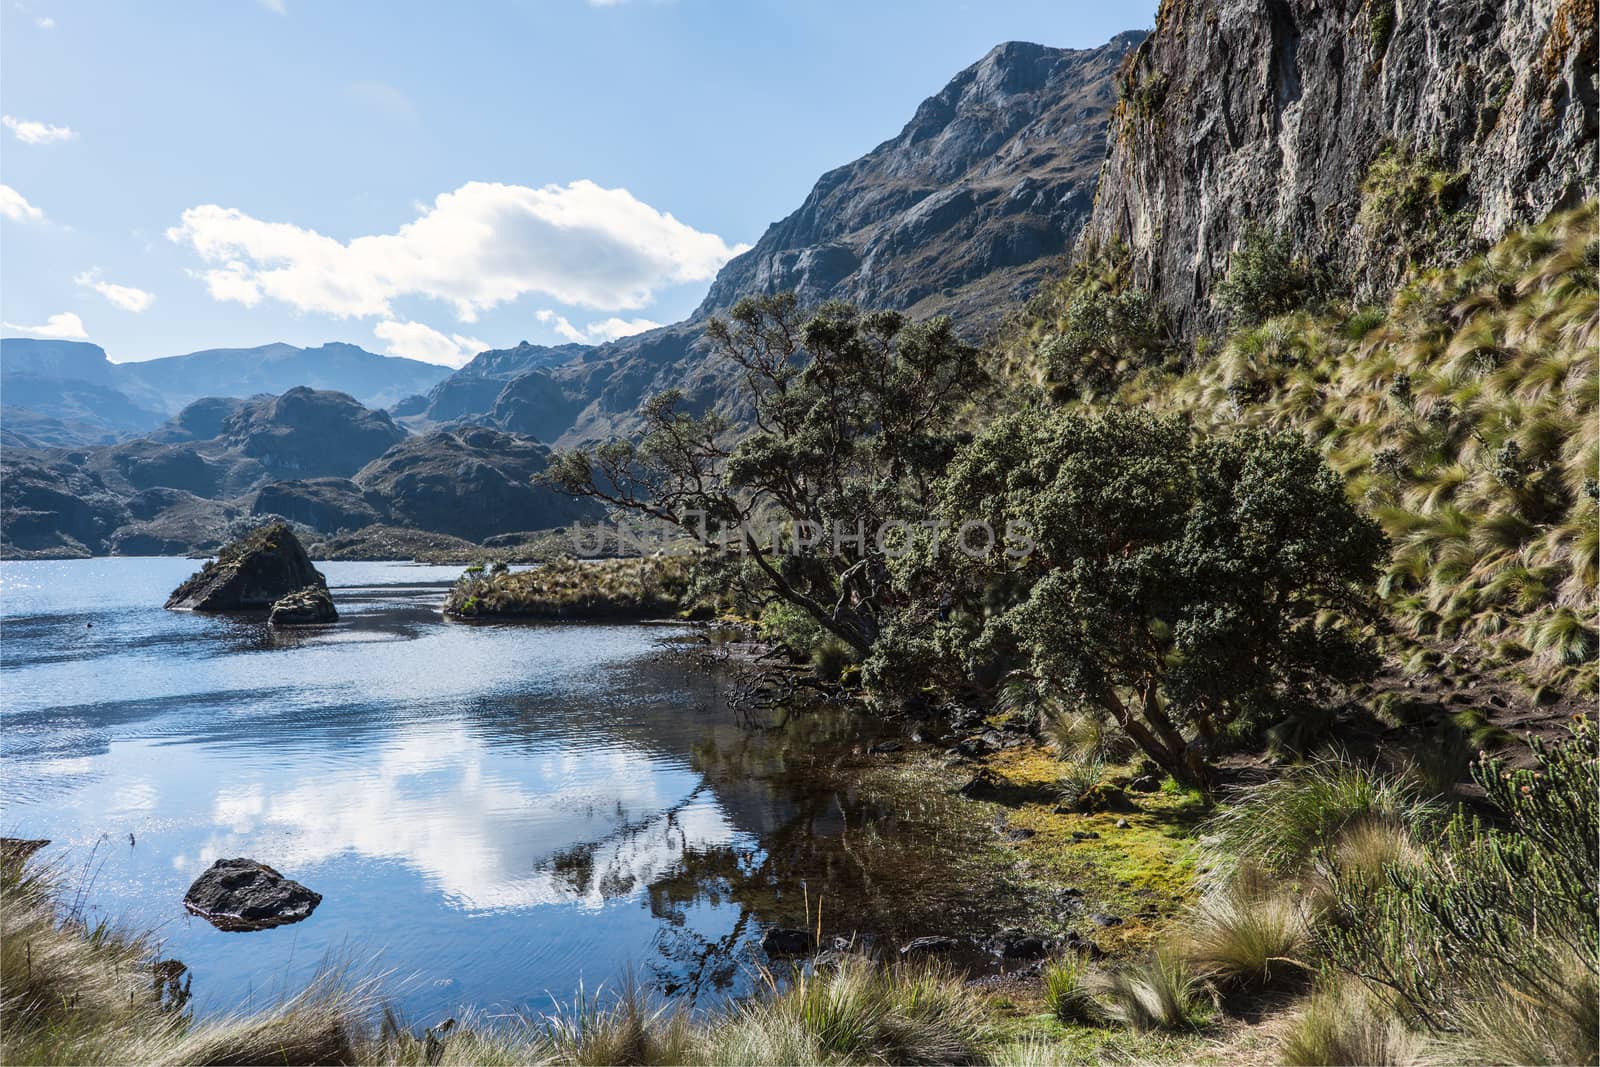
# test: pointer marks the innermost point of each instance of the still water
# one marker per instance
(492, 814)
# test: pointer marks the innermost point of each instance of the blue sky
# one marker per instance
(430, 179)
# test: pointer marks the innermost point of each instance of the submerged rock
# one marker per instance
(304, 607)
(785, 942)
(251, 573)
(241, 894)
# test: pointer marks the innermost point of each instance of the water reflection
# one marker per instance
(501, 811)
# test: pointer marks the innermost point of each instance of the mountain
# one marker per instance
(314, 456)
(965, 212)
(376, 381)
(472, 390)
(65, 392)
(58, 393)
(1368, 133)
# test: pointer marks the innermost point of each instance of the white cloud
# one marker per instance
(65, 326)
(15, 206)
(125, 297)
(29, 132)
(45, 22)
(416, 340)
(477, 247)
(275, 6)
(596, 332)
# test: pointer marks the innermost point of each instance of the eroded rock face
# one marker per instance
(1239, 112)
(311, 606)
(242, 894)
(251, 573)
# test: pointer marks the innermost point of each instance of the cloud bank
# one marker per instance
(483, 245)
(125, 297)
(15, 206)
(65, 327)
(596, 332)
(29, 132)
(416, 340)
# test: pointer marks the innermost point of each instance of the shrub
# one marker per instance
(1105, 337)
(1264, 278)
(1504, 911)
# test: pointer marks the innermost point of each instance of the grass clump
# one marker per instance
(1281, 823)
(1345, 1024)
(1160, 992)
(1067, 994)
(1248, 942)
(859, 1012)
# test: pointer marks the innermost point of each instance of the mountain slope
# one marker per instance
(1368, 132)
(964, 212)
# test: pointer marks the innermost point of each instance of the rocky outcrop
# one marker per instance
(470, 483)
(1367, 131)
(251, 573)
(960, 213)
(471, 391)
(242, 894)
(327, 505)
(310, 433)
(310, 606)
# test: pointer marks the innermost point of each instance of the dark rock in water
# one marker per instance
(253, 572)
(786, 942)
(1018, 945)
(304, 607)
(934, 945)
(884, 747)
(18, 849)
(241, 894)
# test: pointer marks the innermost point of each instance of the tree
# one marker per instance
(1176, 584)
(854, 418)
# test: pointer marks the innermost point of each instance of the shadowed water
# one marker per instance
(493, 814)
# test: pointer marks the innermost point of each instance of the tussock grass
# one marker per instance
(1282, 823)
(1250, 942)
(1067, 992)
(1346, 1024)
(1160, 992)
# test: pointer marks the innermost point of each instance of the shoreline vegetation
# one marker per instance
(1337, 809)
(1341, 912)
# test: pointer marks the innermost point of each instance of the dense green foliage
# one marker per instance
(853, 420)
(1178, 584)
(1264, 278)
(565, 588)
(1463, 415)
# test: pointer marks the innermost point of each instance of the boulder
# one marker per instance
(254, 572)
(241, 894)
(784, 942)
(310, 606)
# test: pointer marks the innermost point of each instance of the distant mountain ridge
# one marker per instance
(69, 392)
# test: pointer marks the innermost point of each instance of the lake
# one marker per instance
(494, 814)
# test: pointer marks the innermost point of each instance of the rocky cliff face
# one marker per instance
(991, 178)
(964, 212)
(1369, 131)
